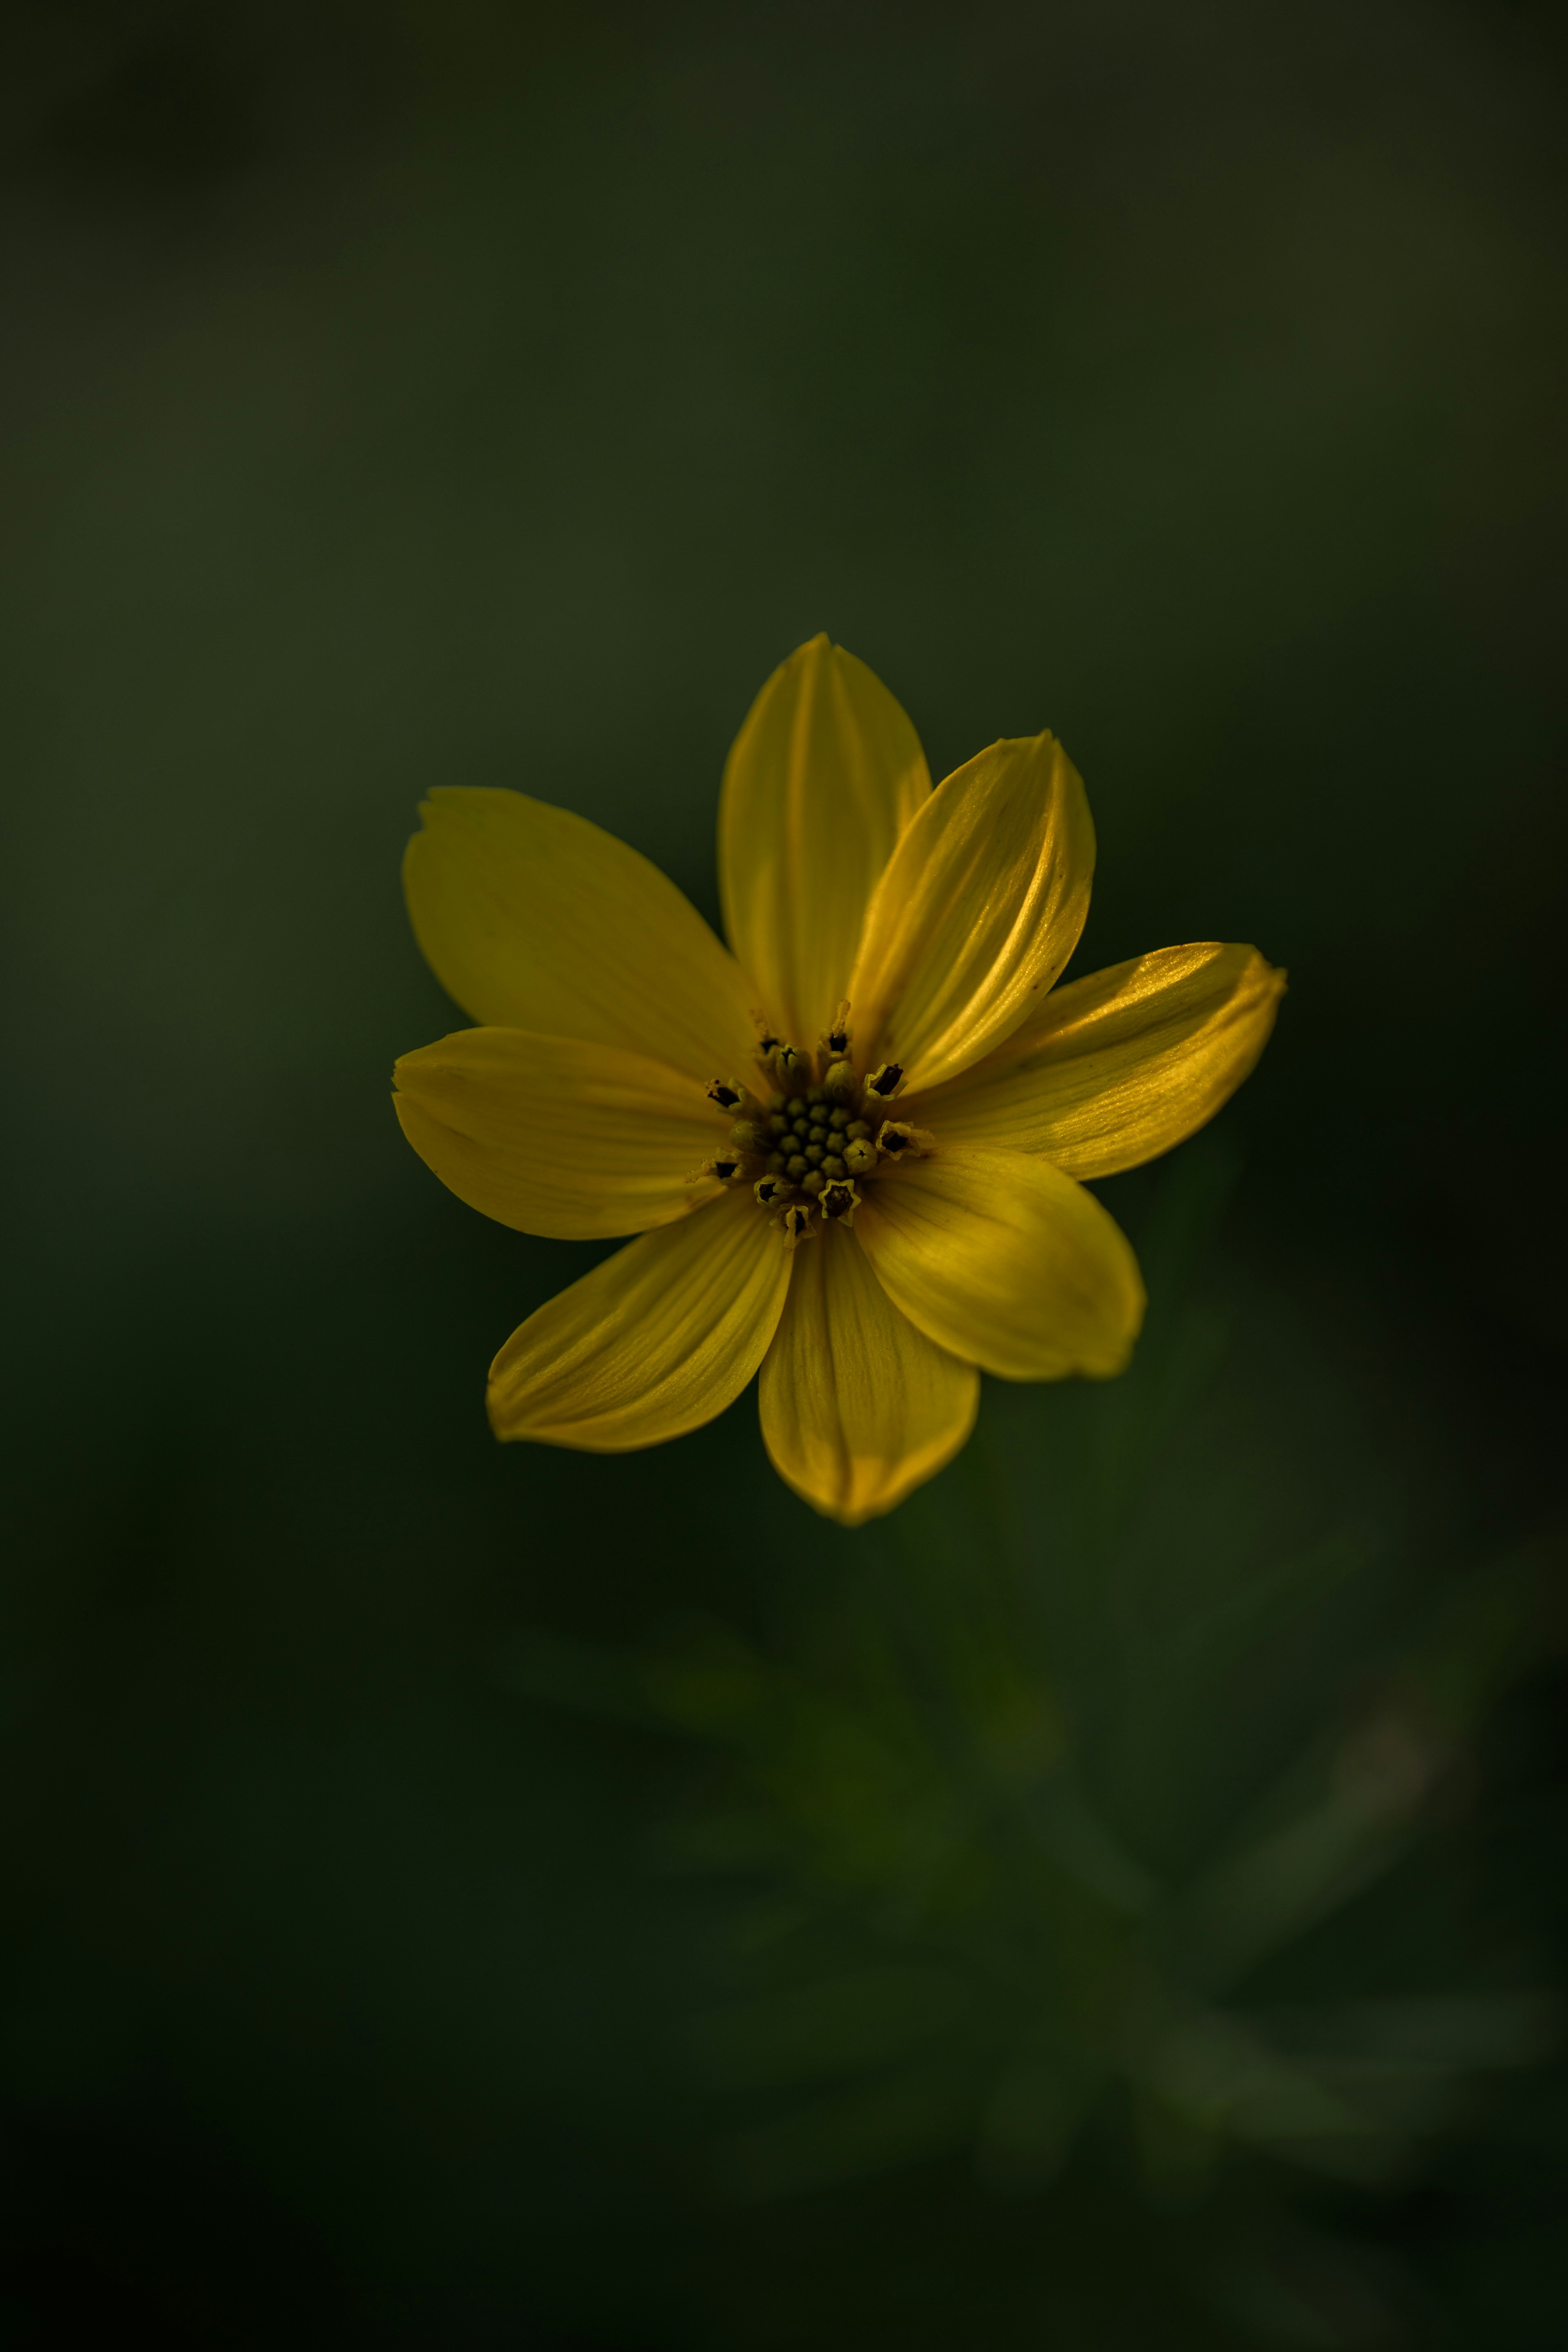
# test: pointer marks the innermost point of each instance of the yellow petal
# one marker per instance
(1006, 1262)
(654, 1342)
(824, 776)
(557, 1135)
(857, 1407)
(1120, 1066)
(534, 919)
(980, 908)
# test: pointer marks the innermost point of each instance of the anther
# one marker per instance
(783, 1062)
(885, 1082)
(728, 1168)
(796, 1222)
(839, 1201)
(860, 1156)
(767, 1036)
(901, 1142)
(771, 1191)
(737, 1102)
(833, 1043)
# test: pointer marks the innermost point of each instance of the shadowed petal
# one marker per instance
(823, 778)
(858, 1406)
(1119, 1067)
(654, 1342)
(1006, 1262)
(556, 1136)
(980, 908)
(534, 919)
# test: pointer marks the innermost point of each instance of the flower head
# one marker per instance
(852, 1148)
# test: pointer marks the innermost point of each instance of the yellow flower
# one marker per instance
(879, 1071)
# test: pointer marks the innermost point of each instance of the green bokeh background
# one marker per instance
(462, 1895)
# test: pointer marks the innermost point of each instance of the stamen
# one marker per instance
(809, 1146)
(727, 1168)
(812, 1151)
(796, 1225)
(840, 1201)
(834, 1042)
(733, 1100)
(901, 1142)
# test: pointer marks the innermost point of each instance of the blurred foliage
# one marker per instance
(480, 1897)
(1106, 1821)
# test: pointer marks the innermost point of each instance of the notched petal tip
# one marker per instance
(858, 1406)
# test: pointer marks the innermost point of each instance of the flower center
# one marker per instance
(814, 1140)
(806, 1146)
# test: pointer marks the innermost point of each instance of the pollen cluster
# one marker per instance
(804, 1146)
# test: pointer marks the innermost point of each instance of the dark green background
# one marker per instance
(467, 1896)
